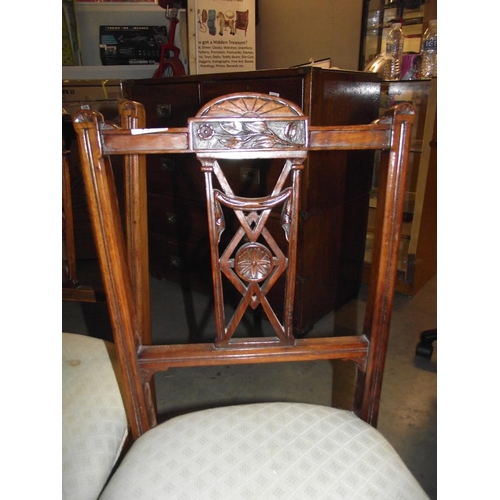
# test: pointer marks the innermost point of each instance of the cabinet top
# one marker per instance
(263, 73)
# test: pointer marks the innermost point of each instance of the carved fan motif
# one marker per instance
(250, 107)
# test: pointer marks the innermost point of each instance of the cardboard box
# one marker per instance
(91, 90)
(97, 95)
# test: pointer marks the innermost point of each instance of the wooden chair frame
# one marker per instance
(225, 117)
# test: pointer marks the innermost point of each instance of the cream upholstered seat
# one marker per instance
(94, 423)
(263, 450)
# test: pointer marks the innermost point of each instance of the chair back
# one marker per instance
(253, 241)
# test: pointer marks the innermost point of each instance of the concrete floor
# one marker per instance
(408, 410)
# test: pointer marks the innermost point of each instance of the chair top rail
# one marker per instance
(176, 140)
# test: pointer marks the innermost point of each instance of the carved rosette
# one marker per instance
(253, 262)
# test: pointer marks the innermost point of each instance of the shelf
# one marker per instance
(413, 21)
(377, 24)
(417, 251)
(99, 72)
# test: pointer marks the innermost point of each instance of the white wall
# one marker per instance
(291, 32)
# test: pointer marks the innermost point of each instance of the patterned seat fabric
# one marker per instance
(263, 451)
(94, 424)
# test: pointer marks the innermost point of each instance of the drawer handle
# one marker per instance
(164, 110)
(167, 164)
(175, 261)
(250, 175)
(171, 218)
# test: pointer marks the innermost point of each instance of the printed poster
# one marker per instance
(224, 38)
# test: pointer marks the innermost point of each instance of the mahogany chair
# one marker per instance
(261, 450)
(95, 431)
(242, 20)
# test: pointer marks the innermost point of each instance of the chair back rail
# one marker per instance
(242, 126)
(133, 116)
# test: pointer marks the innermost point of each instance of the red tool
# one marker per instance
(170, 65)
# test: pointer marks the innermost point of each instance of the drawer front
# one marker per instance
(187, 264)
(251, 178)
(335, 177)
(178, 220)
(166, 105)
(181, 176)
(289, 88)
(186, 222)
(176, 175)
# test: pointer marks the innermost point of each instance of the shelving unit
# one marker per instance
(378, 15)
(418, 247)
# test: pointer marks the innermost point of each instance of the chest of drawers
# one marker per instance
(335, 185)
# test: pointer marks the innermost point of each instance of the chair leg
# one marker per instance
(424, 347)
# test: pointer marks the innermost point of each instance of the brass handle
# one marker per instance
(175, 261)
(250, 175)
(164, 110)
(171, 218)
(167, 164)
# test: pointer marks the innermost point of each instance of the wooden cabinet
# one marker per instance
(418, 248)
(335, 185)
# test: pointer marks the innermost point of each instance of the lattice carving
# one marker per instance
(252, 261)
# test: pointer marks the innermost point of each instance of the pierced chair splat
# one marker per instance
(252, 260)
